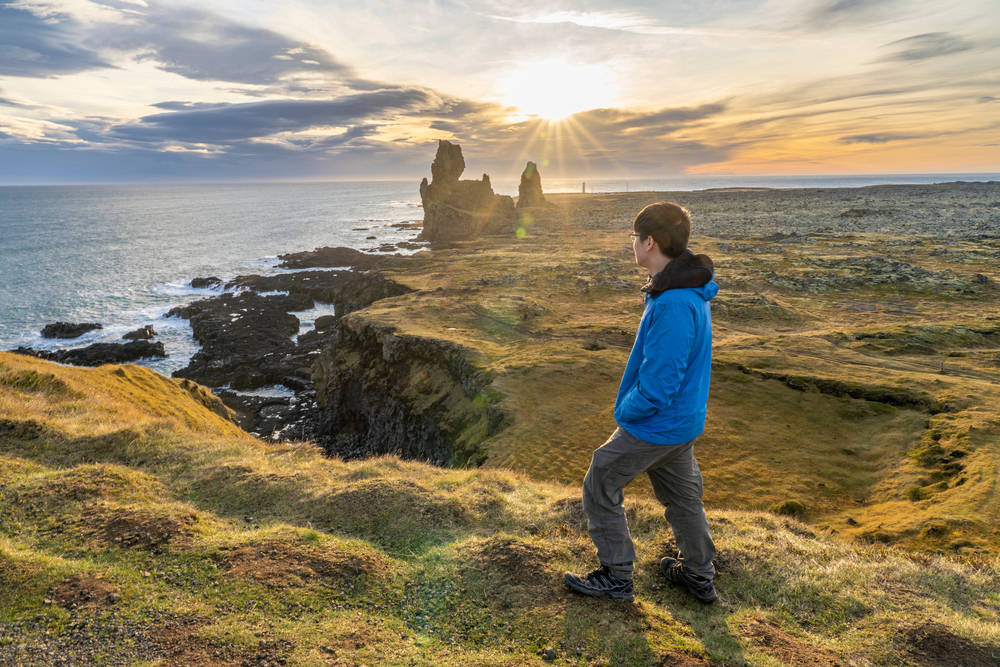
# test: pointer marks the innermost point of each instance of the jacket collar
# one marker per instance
(686, 271)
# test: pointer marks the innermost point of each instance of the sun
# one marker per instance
(555, 89)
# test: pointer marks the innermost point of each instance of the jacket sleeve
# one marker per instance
(665, 359)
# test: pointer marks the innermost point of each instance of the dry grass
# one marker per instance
(242, 551)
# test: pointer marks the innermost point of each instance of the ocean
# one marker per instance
(125, 255)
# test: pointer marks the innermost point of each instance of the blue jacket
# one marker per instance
(663, 396)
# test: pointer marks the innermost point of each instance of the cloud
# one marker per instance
(879, 138)
(630, 22)
(225, 123)
(928, 45)
(852, 13)
(6, 101)
(356, 132)
(32, 46)
(614, 120)
(201, 45)
(596, 142)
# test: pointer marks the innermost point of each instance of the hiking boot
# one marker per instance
(601, 584)
(697, 585)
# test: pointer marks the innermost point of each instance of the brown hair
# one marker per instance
(669, 224)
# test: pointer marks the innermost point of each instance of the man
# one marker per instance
(660, 412)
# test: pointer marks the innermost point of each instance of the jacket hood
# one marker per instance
(688, 271)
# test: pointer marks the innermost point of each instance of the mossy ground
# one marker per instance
(138, 527)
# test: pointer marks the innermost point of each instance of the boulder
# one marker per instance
(529, 192)
(145, 333)
(326, 322)
(455, 210)
(68, 330)
(206, 283)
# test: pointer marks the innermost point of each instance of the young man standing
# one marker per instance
(660, 412)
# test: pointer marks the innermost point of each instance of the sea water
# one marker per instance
(125, 255)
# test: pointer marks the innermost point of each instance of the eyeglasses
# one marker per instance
(634, 236)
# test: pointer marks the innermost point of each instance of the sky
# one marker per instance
(111, 91)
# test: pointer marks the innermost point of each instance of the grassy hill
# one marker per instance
(850, 458)
(139, 526)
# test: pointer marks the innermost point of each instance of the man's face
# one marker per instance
(642, 246)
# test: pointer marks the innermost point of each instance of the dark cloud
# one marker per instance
(356, 132)
(664, 120)
(879, 138)
(31, 46)
(446, 126)
(836, 13)
(225, 123)
(987, 98)
(928, 45)
(205, 46)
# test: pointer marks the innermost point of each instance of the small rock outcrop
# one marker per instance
(211, 282)
(529, 192)
(145, 333)
(68, 329)
(99, 354)
(455, 210)
(327, 258)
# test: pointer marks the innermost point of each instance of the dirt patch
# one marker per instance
(79, 591)
(787, 649)
(519, 561)
(932, 644)
(282, 564)
(676, 659)
(180, 645)
(146, 531)
(21, 429)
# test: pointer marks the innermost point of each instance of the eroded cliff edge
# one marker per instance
(383, 392)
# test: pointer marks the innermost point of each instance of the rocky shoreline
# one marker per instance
(250, 338)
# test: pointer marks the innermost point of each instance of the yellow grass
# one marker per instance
(392, 562)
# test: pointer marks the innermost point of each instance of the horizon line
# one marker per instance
(588, 179)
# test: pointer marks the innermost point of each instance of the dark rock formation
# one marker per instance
(275, 417)
(145, 333)
(456, 210)
(529, 192)
(249, 341)
(99, 354)
(322, 286)
(417, 398)
(246, 340)
(365, 289)
(325, 323)
(206, 283)
(68, 330)
(328, 258)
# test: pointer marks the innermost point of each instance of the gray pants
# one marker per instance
(677, 484)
